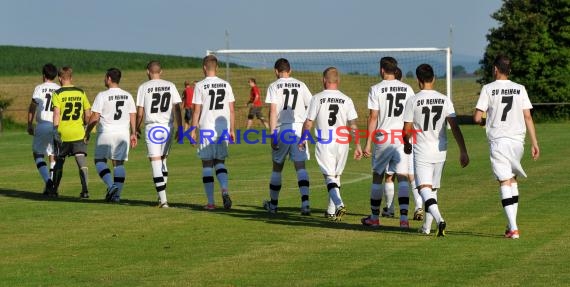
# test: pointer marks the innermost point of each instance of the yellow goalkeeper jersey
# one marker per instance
(72, 102)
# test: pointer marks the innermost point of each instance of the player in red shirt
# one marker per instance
(187, 96)
(255, 105)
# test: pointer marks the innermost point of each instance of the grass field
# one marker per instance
(72, 242)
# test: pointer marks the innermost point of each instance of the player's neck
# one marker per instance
(501, 77)
(389, 77)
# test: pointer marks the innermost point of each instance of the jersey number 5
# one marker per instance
(70, 108)
(118, 111)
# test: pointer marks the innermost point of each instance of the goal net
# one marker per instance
(359, 69)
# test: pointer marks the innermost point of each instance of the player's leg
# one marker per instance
(222, 176)
(418, 202)
(250, 118)
(388, 211)
(83, 174)
(303, 183)
(51, 165)
(274, 187)
(426, 173)
(43, 170)
(375, 200)
(208, 181)
(503, 168)
(158, 179)
(119, 176)
(103, 171)
(403, 199)
(333, 187)
(515, 194)
(261, 118)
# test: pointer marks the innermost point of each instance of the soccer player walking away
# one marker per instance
(158, 104)
(289, 99)
(42, 110)
(332, 111)
(388, 211)
(508, 118)
(71, 110)
(214, 115)
(187, 96)
(386, 102)
(114, 113)
(254, 104)
(425, 118)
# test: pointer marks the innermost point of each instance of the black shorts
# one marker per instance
(254, 112)
(188, 115)
(70, 148)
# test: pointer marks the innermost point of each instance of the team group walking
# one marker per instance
(406, 135)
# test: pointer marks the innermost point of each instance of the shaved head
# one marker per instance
(331, 75)
(154, 67)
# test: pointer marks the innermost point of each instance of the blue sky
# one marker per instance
(189, 28)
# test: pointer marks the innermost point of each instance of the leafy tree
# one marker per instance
(410, 74)
(536, 36)
(459, 71)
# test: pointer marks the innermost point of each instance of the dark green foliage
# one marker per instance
(27, 60)
(536, 36)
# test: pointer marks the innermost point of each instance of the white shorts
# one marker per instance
(158, 139)
(114, 146)
(427, 173)
(43, 139)
(213, 150)
(506, 155)
(390, 158)
(331, 157)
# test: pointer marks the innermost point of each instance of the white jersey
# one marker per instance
(389, 98)
(428, 110)
(157, 98)
(504, 102)
(215, 96)
(292, 98)
(115, 106)
(42, 98)
(331, 109)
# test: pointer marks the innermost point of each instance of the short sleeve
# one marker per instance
(483, 102)
(97, 104)
(449, 109)
(230, 96)
(409, 110)
(86, 104)
(526, 105)
(132, 109)
(372, 100)
(312, 110)
(175, 95)
(270, 96)
(140, 97)
(351, 113)
(197, 99)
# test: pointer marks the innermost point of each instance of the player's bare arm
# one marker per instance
(478, 116)
(535, 150)
(408, 132)
(133, 129)
(140, 117)
(273, 125)
(31, 114)
(458, 135)
(93, 120)
(307, 126)
(86, 116)
(195, 120)
(232, 122)
(358, 149)
(372, 123)
(178, 119)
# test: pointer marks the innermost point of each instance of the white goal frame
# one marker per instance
(448, 65)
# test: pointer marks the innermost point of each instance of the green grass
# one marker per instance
(17, 60)
(72, 242)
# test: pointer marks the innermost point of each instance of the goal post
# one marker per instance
(359, 69)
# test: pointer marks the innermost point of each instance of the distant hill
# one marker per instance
(16, 60)
(470, 63)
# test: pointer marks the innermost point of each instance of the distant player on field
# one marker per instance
(71, 110)
(42, 109)
(425, 118)
(332, 111)
(158, 104)
(386, 102)
(289, 99)
(508, 118)
(214, 115)
(255, 104)
(187, 96)
(115, 113)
